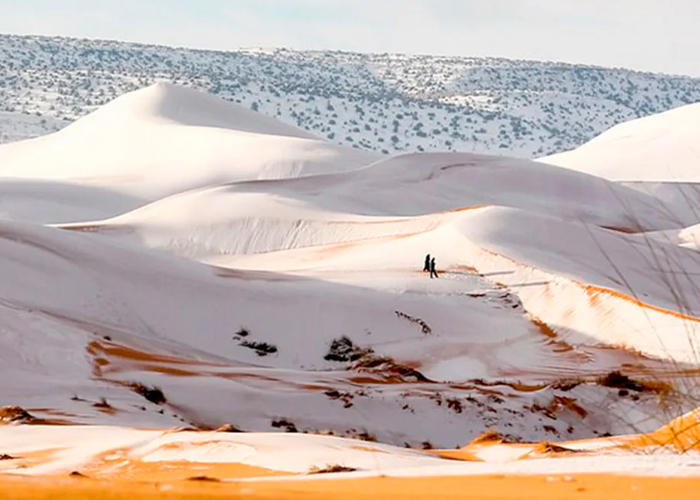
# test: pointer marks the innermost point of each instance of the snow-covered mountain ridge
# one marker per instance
(378, 102)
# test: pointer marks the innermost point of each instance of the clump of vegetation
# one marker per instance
(566, 385)
(345, 397)
(103, 404)
(343, 350)
(618, 380)
(455, 405)
(366, 436)
(260, 348)
(5, 456)
(228, 428)
(425, 328)
(331, 469)
(243, 332)
(15, 415)
(284, 424)
(152, 394)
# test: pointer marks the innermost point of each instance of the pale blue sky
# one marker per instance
(653, 35)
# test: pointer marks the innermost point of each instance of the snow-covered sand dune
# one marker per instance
(163, 140)
(400, 196)
(657, 148)
(175, 259)
(656, 155)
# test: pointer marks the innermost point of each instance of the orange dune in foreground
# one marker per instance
(580, 487)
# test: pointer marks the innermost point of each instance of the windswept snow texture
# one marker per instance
(174, 259)
(385, 103)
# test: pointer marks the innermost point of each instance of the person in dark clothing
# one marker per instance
(426, 266)
(433, 272)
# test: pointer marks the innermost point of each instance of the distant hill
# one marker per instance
(378, 102)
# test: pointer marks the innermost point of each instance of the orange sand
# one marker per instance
(594, 291)
(580, 487)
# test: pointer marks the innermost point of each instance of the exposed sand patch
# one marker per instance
(491, 487)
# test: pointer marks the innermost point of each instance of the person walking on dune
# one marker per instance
(433, 272)
(426, 266)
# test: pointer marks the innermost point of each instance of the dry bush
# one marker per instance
(330, 469)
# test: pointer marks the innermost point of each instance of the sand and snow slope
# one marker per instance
(259, 276)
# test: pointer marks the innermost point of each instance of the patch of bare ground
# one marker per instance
(390, 370)
(546, 449)
(204, 478)
(494, 437)
(557, 405)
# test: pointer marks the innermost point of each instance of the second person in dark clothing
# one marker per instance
(433, 272)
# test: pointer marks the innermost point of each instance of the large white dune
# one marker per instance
(657, 148)
(163, 140)
(380, 199)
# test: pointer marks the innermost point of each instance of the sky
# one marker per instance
(649, 35)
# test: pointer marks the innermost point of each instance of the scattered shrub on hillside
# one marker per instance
(455, 405)
(424, 326)
(103, 404)
(617, 380)
(284, 424)
(228, 428)
(321, 432)
(331, 469)
(152, 394)
(566, 385)
(243, 332)
(15, 415)
(345, 397)
(260, 348)
(343, 349)
(364, 359)
(366, 436)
